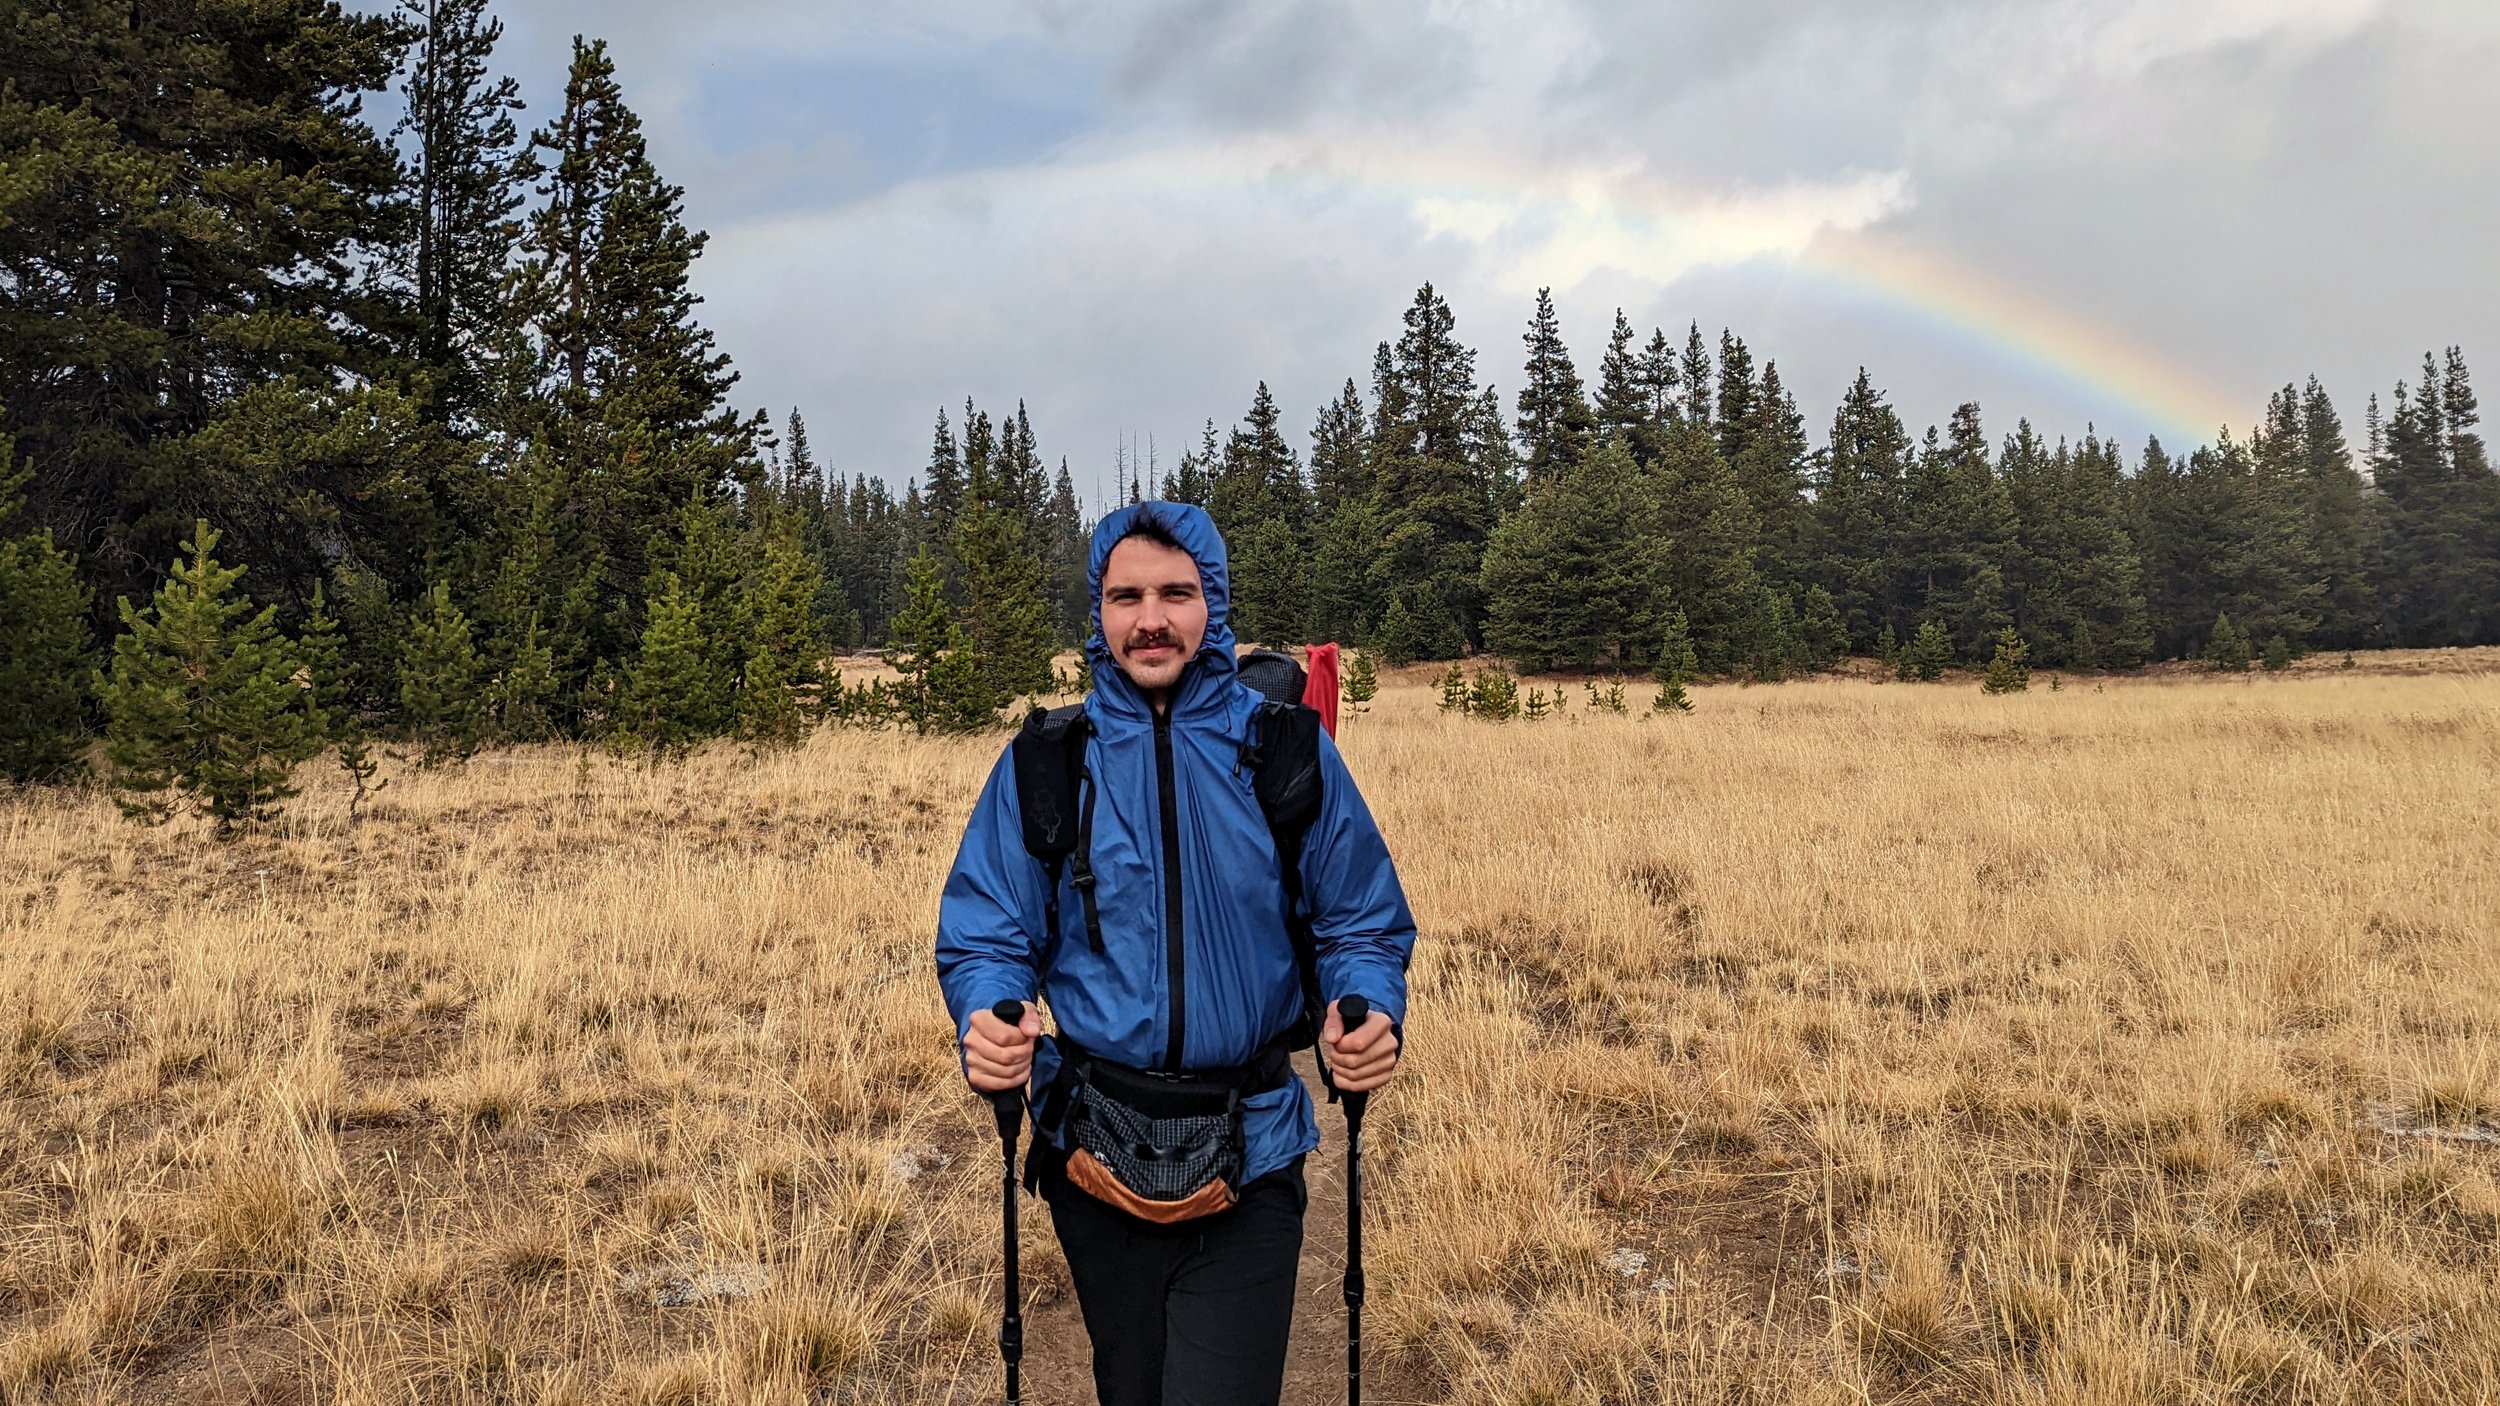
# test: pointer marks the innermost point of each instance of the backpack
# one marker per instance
(1056, 801)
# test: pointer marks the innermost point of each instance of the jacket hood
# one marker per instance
(1195, 531)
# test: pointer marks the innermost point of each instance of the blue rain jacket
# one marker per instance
(1232, 961)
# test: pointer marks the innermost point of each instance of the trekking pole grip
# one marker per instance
(1352, 1011)
(1008, 1103)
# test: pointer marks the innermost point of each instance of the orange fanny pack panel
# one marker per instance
(1094, 1179)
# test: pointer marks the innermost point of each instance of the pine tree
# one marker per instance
(1578, 575)
(2076, 560)
(1362, 682)
(783, 665)
(2278, 655)
(1822, 639)
(1340, 475)
(1957, 538)
(464, 192)
(523, 694)
(942, 688)
(2009, 670)
(2337, 507)
(2227, 648)
(1435, 487)
(1399, 637)
(1493, 696)
(1677, 664)
(1859, 555)
(1930, 653)
(1694, 367)
(1263, 507)
(43, 646)
(439, 676)
(638, 390)
(1555, 424)
(323, 650)
(1707, 517)
(2438, 514)
(1007, 618)
(1453, 687)
(207, 704)
(191, 197)
(673, 697)
(1622, 406)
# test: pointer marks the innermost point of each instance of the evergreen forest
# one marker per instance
(318, 435)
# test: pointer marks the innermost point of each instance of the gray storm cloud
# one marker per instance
(1130, 215)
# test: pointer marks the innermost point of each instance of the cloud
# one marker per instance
(2126, 212)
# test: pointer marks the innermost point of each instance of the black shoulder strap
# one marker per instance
(1284, 757)
(1057, 805)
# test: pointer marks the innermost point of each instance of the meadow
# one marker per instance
(1842, 1041)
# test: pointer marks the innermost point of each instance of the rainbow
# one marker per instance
(2046, 337)
(1566, 221)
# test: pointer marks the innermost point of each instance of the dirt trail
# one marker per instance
(1058, 1362)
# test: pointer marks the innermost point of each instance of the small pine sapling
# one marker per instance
(1929, 655)
(325, 663)
(2228, 650)
(1454, 690)
(2278, 656)
(1493, 696)
(1536, 707)
(1362, 682)
(206, 700)
(2009, 671)
(1677, 662)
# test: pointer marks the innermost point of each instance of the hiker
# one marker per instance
(1169, 1128)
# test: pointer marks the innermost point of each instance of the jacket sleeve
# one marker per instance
(1359, 918)
(989, 936)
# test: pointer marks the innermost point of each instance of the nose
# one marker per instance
(1150, 611)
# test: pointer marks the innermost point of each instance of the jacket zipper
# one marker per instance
(1168, 797)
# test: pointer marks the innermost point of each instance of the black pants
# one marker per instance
(1195, 1314)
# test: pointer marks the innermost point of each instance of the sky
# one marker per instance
(2139, 216)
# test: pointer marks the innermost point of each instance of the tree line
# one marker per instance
(422, 424)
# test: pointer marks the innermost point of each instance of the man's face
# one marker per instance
(1154, 616)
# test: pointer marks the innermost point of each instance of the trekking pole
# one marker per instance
(1009, 1104)
(1352, 1011)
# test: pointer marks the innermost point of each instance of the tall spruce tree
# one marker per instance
(1430, 484)
(1622, 406)
(465, 187)
(206, 704)
(2438, 511)
(2337, 509)
(2078, 588)
(1555, 423)
(1957, 538)
(193, 207)
(637, 391)
(1339, 472)
(1859, 557)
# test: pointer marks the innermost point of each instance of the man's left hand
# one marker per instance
(1361, 1059)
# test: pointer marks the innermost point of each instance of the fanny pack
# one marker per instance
(1164, 1147)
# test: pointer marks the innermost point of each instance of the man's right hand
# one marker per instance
(999, 1056)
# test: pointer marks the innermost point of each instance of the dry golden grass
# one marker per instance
(1841, 1041)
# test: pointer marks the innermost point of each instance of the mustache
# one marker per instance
(1149, 639)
